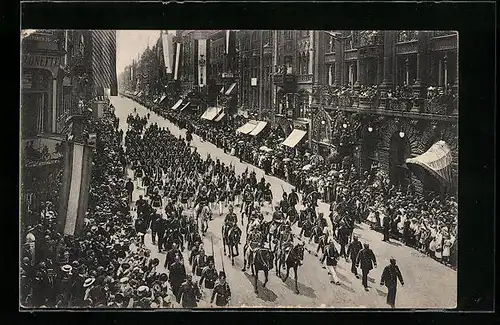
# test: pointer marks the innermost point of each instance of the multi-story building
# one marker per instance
(255, 61)
(386, 96)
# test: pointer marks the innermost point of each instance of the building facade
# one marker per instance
(386, 96)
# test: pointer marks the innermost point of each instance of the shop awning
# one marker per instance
(222, 90)
(260, 126)
(176, 106)
(294, 138)
(437, 161)
(211, 113)
(185, 106)
(136, 93)
(248, 127)
(162, 99)
(221, 115)
(231, 88)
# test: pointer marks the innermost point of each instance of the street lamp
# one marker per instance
(401, 134)
(370, 129)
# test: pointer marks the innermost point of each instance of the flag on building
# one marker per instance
(168, 50)
(75, 187)
(177, 61)
(104, 61)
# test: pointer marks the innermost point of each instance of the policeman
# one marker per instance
(221, 292)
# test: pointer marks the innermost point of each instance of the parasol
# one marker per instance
(307, 167)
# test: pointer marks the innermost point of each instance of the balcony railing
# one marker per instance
(444, 33)
(445, 104)
(304, 78)
(407, 36)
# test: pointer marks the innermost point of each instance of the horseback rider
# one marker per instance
(254, 241)
(277, 219)
(201, 200)
(230, 221)
(284, 205)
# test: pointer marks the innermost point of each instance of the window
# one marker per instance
(331, 45)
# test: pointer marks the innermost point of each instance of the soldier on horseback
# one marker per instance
(230, 222)
(277, 220)
(254, 242)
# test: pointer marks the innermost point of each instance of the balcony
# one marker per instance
(305, 78)
(282, 79)
(439, 106)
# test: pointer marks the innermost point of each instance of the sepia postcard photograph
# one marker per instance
(171, 169)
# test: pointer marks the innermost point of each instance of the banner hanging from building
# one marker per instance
(104, 60)
(75, 187)
(177, 61)
(202, 62)
(168, 50)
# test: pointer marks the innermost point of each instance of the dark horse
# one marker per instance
(290, 260)
(231, 238)
(262, 260)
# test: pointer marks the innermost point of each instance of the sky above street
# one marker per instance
(131, 43)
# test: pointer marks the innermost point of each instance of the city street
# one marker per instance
(428, 284)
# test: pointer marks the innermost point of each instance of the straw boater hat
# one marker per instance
(66, 268)
(142, 290)
(88, 282)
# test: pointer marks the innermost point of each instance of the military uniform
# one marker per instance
(222, 294)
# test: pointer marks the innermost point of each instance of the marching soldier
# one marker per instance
(189, 293)
(172, 256)
(221, 292)
(209, 275)
(177, 276)
(199, 263)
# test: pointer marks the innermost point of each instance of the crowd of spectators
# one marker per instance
(104, 265)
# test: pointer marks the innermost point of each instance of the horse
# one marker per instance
(273, 235)
(292, 259)
(205, 217)
(231, 238)
(262, 260)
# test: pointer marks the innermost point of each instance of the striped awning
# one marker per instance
(260, 126)
(437, 161)
(294, 138)
(231, 88)
(162, 99)
(176, 106)
(104, 61)
(248, 127)
(218, 118)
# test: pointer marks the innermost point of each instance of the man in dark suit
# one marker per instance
(130, 189)
(352, 252)
(386, 222)
(390, 278)
(366, 260)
